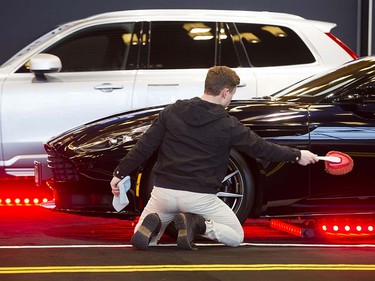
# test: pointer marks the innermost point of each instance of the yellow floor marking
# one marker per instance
(200, 267)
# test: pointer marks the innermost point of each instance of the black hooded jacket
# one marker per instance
(194, 138)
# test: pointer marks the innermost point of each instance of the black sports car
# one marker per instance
(331, 111)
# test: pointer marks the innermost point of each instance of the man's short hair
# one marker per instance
(218, 78)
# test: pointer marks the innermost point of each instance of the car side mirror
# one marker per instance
(367, 92)
(44, 63)
(366, 107)
(361, 101)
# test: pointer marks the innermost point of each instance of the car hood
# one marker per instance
(128, 126)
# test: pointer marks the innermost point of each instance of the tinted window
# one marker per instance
(227, 53)
(270, 45)
(95, 49)
(176, 45)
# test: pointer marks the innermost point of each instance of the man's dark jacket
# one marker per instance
(194, 138)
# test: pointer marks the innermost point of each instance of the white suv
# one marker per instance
(120, 61)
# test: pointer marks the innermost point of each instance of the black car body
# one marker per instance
(331, 111)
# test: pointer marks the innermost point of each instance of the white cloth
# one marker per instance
(121, 201)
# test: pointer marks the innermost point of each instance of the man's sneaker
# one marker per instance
(188, 225)
(149, 228)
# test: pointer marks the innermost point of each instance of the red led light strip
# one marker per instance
(22, 202)
(16, 192)
(348, 228)
(292, 229)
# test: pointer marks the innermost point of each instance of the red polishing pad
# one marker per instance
(345, 166)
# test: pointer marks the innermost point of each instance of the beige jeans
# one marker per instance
(222, 224)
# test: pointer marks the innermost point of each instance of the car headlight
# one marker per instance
(110, 140)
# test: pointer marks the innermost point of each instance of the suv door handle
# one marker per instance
(108, 87)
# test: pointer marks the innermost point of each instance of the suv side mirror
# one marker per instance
(44, 63)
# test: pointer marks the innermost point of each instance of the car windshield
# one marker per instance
(37, 42)
(325, 85)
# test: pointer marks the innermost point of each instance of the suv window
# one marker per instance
(97, 48)
(181, 45)
(228, 49)
(271, 45)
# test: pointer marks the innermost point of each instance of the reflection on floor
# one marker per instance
(48, 227)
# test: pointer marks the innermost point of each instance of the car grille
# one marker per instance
(62, 168)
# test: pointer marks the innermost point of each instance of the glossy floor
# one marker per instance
(40, 244)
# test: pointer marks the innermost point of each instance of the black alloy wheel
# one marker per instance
(237, 190)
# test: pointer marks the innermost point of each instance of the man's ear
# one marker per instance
(224, 93)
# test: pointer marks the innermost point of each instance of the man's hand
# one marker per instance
(115, 189)
(307, 157)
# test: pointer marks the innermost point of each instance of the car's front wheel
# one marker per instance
(237, 189)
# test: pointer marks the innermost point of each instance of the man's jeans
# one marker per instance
(222, 224)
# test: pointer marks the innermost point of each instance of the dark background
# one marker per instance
(22, 21)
